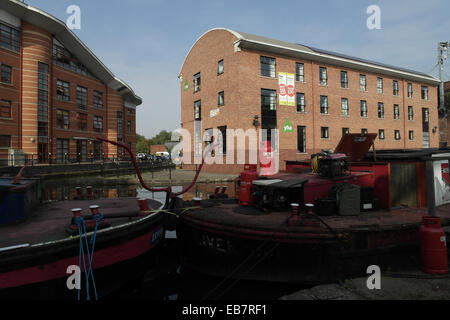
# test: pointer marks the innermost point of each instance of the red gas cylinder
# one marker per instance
(432, 245)
(245, 189)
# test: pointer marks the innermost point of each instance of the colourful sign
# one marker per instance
(286, 88)
(287, 126)
(186, 85)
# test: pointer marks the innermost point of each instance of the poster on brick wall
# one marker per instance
(286, 88)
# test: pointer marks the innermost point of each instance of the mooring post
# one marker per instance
(430, 187)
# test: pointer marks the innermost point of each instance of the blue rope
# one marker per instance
(90, 253)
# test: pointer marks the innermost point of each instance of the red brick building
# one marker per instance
(56, 96)
(230, 80)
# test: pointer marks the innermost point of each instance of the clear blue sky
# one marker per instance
(145, 42)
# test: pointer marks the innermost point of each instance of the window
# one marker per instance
(98, 99)
(267, 66)
(411, 134)
(380, 110)
(299, 72)
(362, 82)
(65, 59)
(6, 73)
(129, 126)
(397, 134)
(301, 104)
(5, 141)
(81, 97)
(344, 106)
(62, 119)
(42, 103)
(364, 131)
(81, 121)
(98, 150)
(396, 112)
(395, 87)
(345, 131)
(119, 130)
(98, 124)
(323, 76)
(381, 134)
(410, 90)
(221, 98)
(62, 150)
(197, 82)
(410, 113)
(268, 110)
(220, 67)
(222, 139)
(9, 38)
(380, 85)
(197, 110)
(5, 108)
(62, 90)
(324, 132)
(301, 139)
(323, 104)
(344, 79)
(363, 109)
(424, 92)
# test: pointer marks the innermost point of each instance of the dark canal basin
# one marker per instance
(169, 281)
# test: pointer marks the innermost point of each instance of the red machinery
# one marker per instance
(432, 245)
(245, 184)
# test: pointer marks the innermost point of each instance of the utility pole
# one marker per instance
(443, 130)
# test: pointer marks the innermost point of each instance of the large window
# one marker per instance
(5, 108)
(410, 113)
(221, 98)
(301, 104)
(344, 107)
(363, 109)
(268, 109)
(424, 90)
(380, 110)
(65, 59)
(119, 131)
(81, 97)
(6, 73)
(197, 110)
(81, 121)
(395, 87)
(362, 82)
(380, 85)
(410, 90)
(222, 139)
(299, 72)
(62, 150)
(301, 139)
(323, 76)
(9, 38)
(62, 90)
(220, 67)
(98, 99)
(197, 82)
(344, 79)
(5, 141)
(324, 132)
(98, 124)
(62, 119)
(324, 104)
(42, 103)
(396, 112)
(268, 67)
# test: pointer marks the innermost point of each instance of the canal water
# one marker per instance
(172, 281)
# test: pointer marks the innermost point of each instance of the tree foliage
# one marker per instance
(143, 144)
